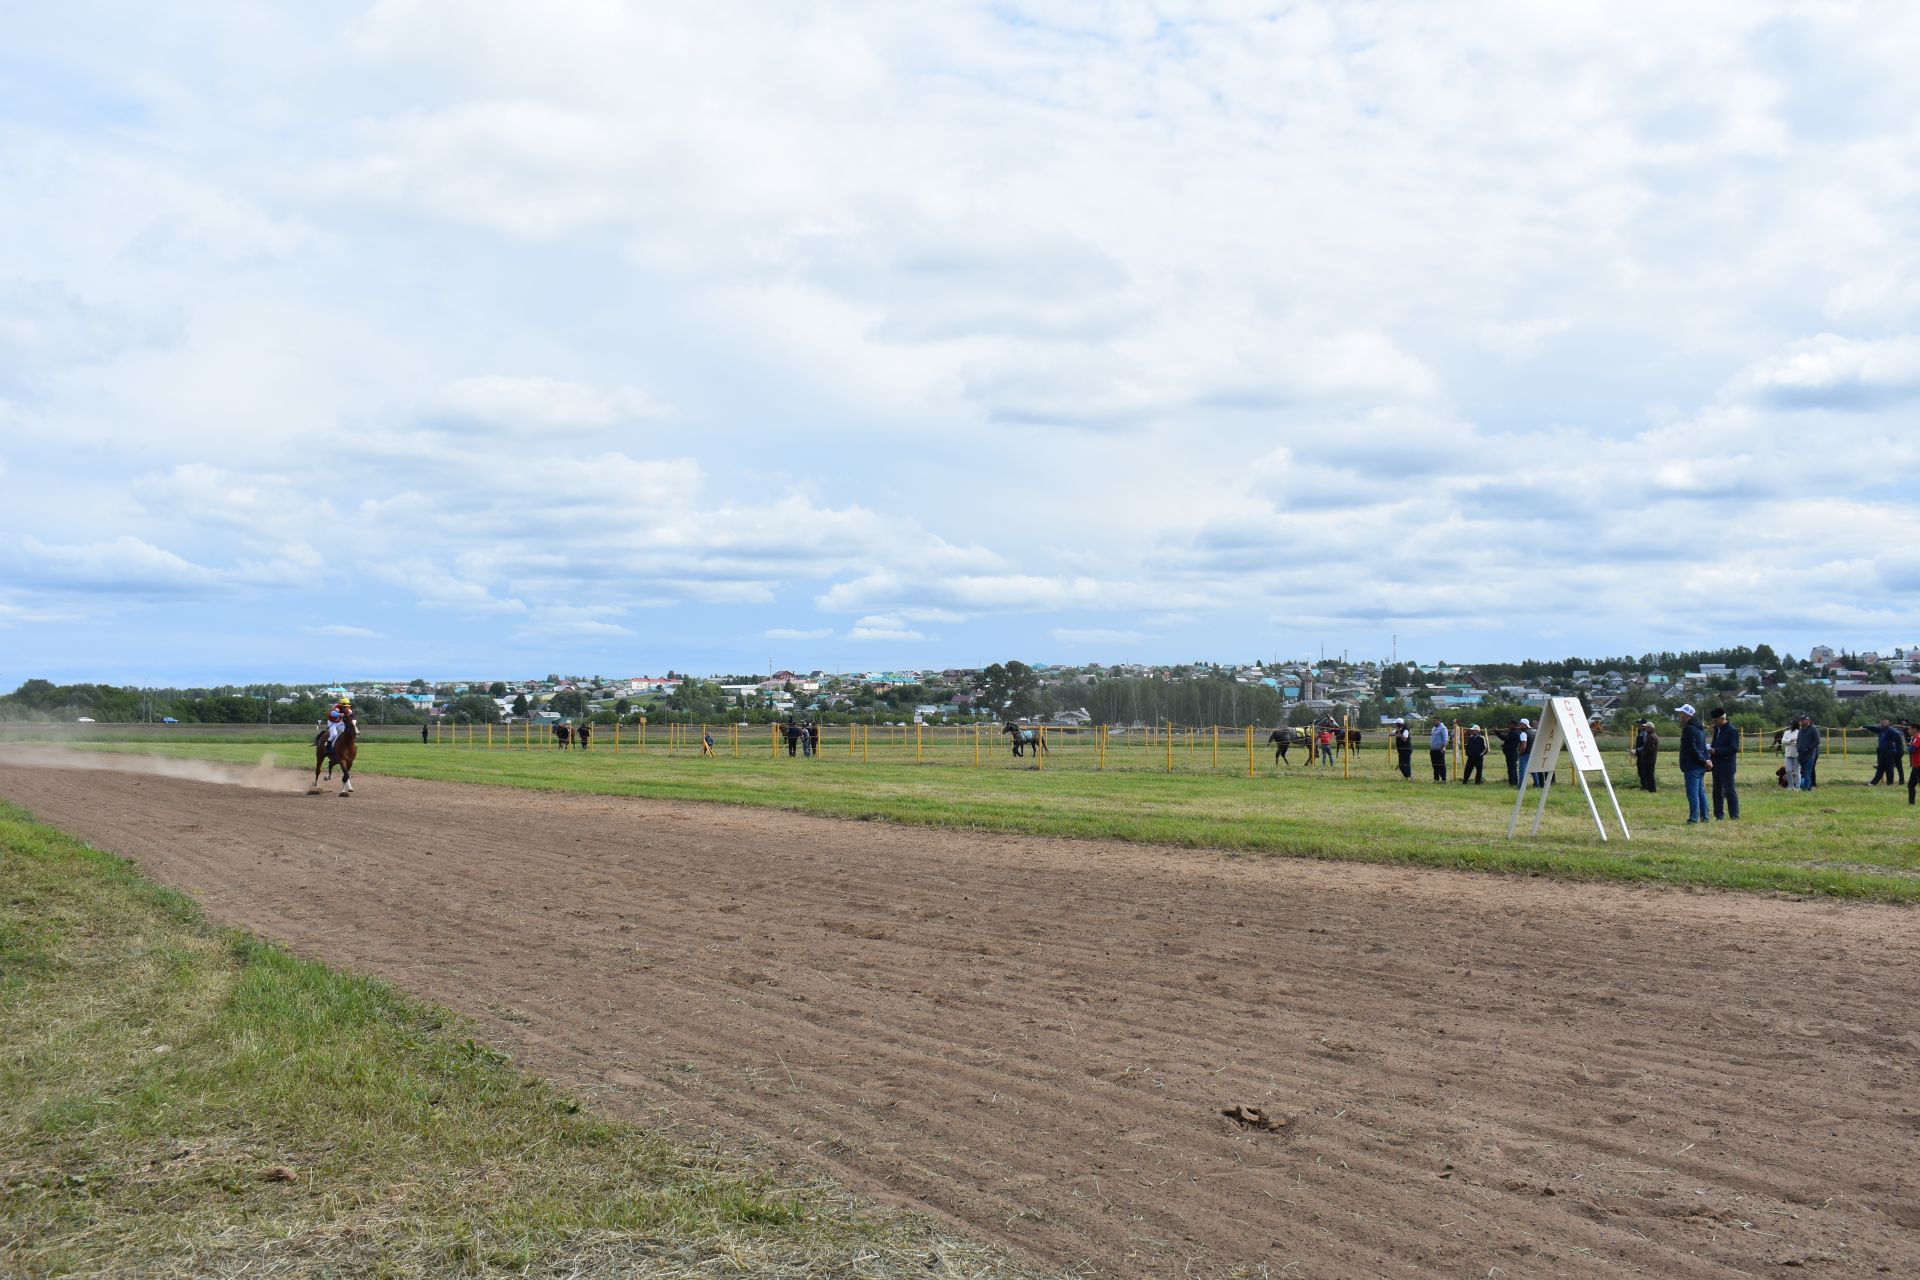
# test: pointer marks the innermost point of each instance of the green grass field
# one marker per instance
(1845, 839)
(175, 1100)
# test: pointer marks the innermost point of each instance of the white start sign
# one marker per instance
(1563, 724)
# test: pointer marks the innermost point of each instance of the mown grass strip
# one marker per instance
(1845, 840)
(178, 1100)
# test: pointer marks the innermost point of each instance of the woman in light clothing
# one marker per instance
(1789, 741)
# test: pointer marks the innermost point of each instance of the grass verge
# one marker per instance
(178, 1100)
(1845, 840)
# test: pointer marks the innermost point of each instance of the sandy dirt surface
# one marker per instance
(1037, 1038)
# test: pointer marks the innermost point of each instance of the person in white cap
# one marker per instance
(1476, 748)
(1694, 762)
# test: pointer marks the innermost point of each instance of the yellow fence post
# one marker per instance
(1169, 746)
(1249, 751)
(1102, 731)
(916, 742)
(976, 744)
(1216, 748)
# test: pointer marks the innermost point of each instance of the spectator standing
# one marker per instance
(423, 733)
(1913, 764)
(1724, 753)
(791, 731)
(1476, 749)
(706, 744)
(1437, 743)
(1694, 762)
(1807, 747)
(1646, 754)
(1889, 745)
(1403, 747)
(1326, 746)
(1790, 753)
(1904, 730)
(1510, 748)
(813, 737)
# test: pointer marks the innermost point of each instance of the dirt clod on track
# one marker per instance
(1057, 1044)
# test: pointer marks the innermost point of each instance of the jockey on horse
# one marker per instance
(339, 720)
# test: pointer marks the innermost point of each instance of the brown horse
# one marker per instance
(345, 748)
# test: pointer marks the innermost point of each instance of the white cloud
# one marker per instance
(883, 627)
(797, 633)
(542, 404)
(1830, 371)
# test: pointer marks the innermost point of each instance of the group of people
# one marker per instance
(1713, 751)
(801, 738)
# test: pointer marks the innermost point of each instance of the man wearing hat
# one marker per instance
(1694, 762)
(1476, 748)
(1523, 749)
(1807, 747)
(1646, 753)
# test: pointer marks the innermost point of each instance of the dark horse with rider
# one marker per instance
(337, 743)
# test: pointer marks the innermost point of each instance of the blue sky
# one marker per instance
(436, 338)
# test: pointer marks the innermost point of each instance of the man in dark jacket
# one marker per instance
(1694, 762)
(1807, 747)
(1725, 754)
(1646, 754)
(1510, 748)
(1476, 747)
(1403, 748)
(1887, 753)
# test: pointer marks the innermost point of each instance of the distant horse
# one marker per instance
(563, 735)
(1024, 739)
(1283, 738)
(342, 753)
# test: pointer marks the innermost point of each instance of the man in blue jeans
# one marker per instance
(1694, 762)
(1807, 747)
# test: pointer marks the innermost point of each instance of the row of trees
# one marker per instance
(253, 704)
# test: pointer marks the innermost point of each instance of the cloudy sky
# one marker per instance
(448, 337)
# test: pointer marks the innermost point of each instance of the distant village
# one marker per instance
(1138, 694)
(1756, 685)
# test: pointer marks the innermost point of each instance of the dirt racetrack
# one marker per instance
(1037, 1038)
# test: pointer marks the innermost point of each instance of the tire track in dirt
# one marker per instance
(1036, 1038)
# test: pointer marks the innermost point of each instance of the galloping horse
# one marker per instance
(1024, 738)
(342, 753)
